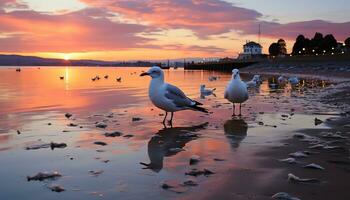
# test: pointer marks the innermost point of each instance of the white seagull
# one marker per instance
(293, 80)
(168, 97)
(256, 80)
(236, 91)
(206, 92)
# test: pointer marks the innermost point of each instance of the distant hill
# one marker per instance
(17, 60)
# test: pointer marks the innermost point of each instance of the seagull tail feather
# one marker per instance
(197, 108)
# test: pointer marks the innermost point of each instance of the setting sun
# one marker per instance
(66, 57)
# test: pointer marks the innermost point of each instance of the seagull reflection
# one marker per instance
(236, 131)
(166, 139)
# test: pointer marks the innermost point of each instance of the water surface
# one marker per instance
(32, 99)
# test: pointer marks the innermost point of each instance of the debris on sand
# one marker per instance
(318, 121)
(101, 125)
(135, 119)
(56, 188)
(68, 115)
(196, 172)
(44, 175)
(100, 143)
(128, 136)
(72, 125)
(298, 154)
(18, 132)
(173, 186)
(283, 196)
(51, 145)
(288, 160)
(113, 134)
(106, 76)
(293, 178)
(314, 166)
(219, 159)
(54, 145)
(190, 183)
(194, 159)
(331, 135)
(96, 173)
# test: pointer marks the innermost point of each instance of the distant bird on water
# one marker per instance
(206, 92)
(293, 80)
(256, 80)
(236, 91)
(168, 97)
(61, 77)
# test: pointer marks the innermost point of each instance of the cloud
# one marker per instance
(213, 17)
(84, 30)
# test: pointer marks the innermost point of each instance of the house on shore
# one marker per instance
(251, 50)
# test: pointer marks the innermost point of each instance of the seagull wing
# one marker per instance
(179, 98)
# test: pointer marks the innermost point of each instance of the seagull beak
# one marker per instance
(144, 74)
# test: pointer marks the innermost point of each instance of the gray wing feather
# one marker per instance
(177, 96)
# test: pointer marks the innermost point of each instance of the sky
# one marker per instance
(161, 29)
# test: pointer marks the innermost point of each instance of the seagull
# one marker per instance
(236, 91)
(256, 80)
(61, 77)
(206, 92)
(281, 80)
(119, 79)
(168, 97)
(293, 80)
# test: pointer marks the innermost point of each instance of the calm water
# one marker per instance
(35, 97)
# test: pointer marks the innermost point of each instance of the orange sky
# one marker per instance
(149, 30)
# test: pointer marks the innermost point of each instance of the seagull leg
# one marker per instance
(233, 110)
(166, 114)
(171, 119)
(240, 109)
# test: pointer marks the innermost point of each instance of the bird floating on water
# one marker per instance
(119, 79)
(61, 77)
(168, 97)
(293, 80)
(206, 92)
(236, 91)
(282, 80)
(256, 80)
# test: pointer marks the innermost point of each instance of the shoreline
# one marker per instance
(334, 179)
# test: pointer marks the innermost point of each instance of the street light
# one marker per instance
(303, 49)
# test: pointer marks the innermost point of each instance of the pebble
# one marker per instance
(135, 119)
(318, 121)
(196, 172)
(113, 134)
(43, 175)
(68, 115)
(194, 159)
(100, 143)
(56, 188)
(101, 125)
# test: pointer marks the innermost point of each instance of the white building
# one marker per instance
(251, 50)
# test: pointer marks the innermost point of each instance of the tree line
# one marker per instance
(318, 45)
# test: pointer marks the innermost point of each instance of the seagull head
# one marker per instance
(154, 72)
(235, 73)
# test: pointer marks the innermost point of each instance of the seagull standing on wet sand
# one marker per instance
(168, 97)
(236, 91)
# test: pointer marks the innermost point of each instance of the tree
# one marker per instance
(316, 42)
(300, 45)
(329, 43)
(283, 46)
(274, 49)
(347, 42)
